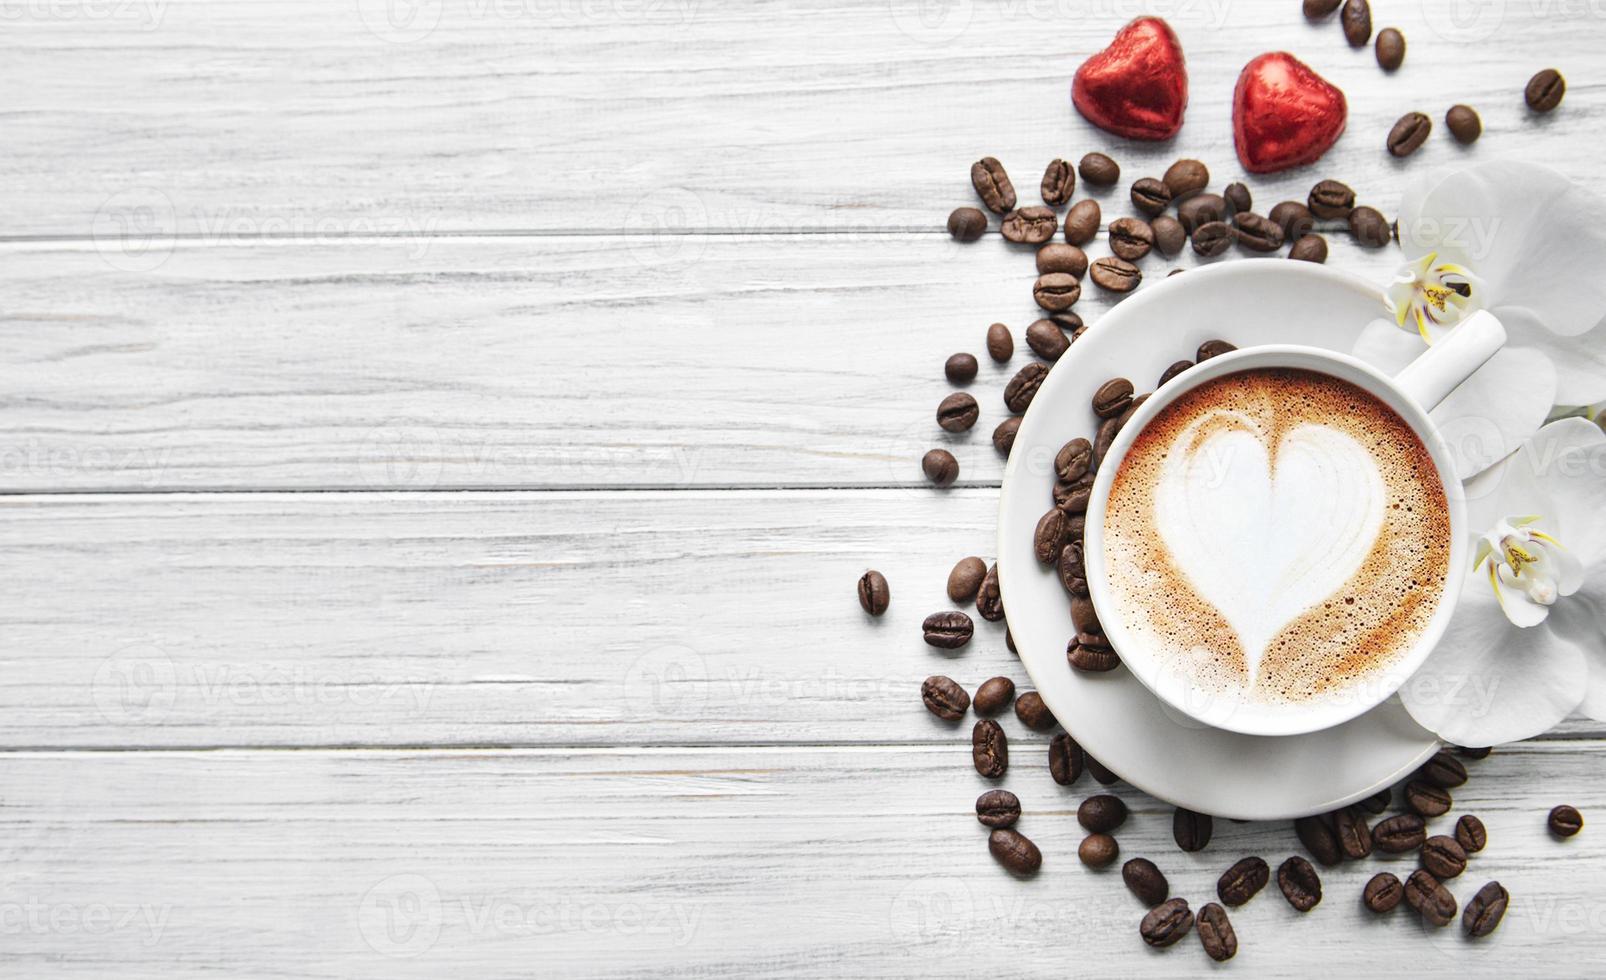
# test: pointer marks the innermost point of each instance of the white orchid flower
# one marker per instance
(1527, 244)
(1527, 644)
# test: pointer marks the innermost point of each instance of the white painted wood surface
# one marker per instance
(664, 285)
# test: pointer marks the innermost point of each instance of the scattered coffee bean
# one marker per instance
(1215, 932)
(1383, 892)
(874, 595)
(1317, 9)
(1022, 388)
(1185, 177)
(1099, 170)
(1074, 459)
(1082, 222)
(1471, 834)
(1256, 233)
(1191, 830)
(1331, 200)
(1565, 821)
(960, 368)
(1390, 49)
(1069, 322)
(1004, 434)
(1426, 799)
(1377, 802)
(1463, 123)
(1145, 881)
(1484, 912)
(1319, 839)
(989, 749)
(1115, 275)
(1014, 851)
(1059, 180)
(1443, 770)
(1059, 257)
(1030, 226)
(1399, 834)
(1408, 134)
(940, 467)
(1473, 753)
(1131, 238)
(948, 630)
(1356, 19)
(1370, 228)
(1201, 209)
(1056, 292)
(1000, 343)
(1098, 850)
(1102, 813)
(1309, 248)
(1237, 197)
(1242, 881)
(1093, 658)
(1353, 835)
(989, 599)
(1431, 900)
(966, 578)
(994, 695)
(958, 412)
(1104, 438)
(967, 224)
(997, 808)
(1213, 348)
(1112, 398)
(1300, 883)
(1033, 713)
(1173, 371)
(992, 185)
(1443, 856)
(1150, 196)
(1169, 235)
(1084, 615)
(1294, 218)
(1545, 90)
(1166, 923)
(1072, 575)
(1212, 239)
(1101, 772)
(1064, 759)
(944, 697)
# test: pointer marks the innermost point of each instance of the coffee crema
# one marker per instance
(1277, 535)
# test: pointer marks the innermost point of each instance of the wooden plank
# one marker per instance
(798, 360)
(301, 117)
(741, 862)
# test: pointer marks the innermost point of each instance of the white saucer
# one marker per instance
(1113, 716)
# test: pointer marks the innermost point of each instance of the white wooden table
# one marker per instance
(440, 441)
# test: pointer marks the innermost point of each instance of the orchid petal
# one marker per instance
(1582, 619)
(1494, 411)
(1579, 363)
(1566, 460)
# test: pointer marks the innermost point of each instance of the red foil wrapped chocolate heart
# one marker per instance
(1283, 114)
(1138, 86)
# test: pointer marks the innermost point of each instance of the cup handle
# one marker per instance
(1430, 378)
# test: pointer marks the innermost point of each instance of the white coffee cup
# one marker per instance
(1411, 394)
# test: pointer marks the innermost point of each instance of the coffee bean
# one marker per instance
(1098, 850)
(1099, 170)
(1212, 239)
(1427, 799)
(1353, 835)
(1173, 371)
(1317, 9)
(1390, 49)
(1072, 575)
(940, 467)
(1064, 759)
(1485, 911)
(1213, 348)
(1000, 343)
(1431, 900)
(997, 808)
(1408, 134)
(1131, 238)
(1242, 881)
(1084, 615)
(1166, 923)
(1215, 932)
(1370, 228)
(1004, 434)
(1102, 813)
(1463, 123)
(948, 630)
(957, 412)
(1074, 459)
(1331, 200)
(944, 697)
(1104, 438)
(1169, 236)
(967, 224)
(1356, 17)
(1115, 275)
(874, 595)
(1383, 892)
(1293, 218)
(1030, 226)
(1056, 292)
(1022, 388)
(1185, 177)
(1471, 834)
(960, 368)
(1059, 257)
(1309, 248)
(1112, 398)
(1399, 834)
(1443, 856)
(992, 185)
(1565, 821)
(1082, 222)
(989, 749)
(1377, 802)
(1443, 770)
(1237, 197)
(1033, 713)
(1318, 837)
(1201, 209)
(1101, 772)
(1545, 90)
(1059, 180)
(1300, 883)
(1473, 753)
(1256, 233)
(1014, 851)
(994, 695)
(966, 578)
(1145, 881)
(1092, 658)
(989, 600)
(1150, 196)
(1073, 497)
(1191, 830)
